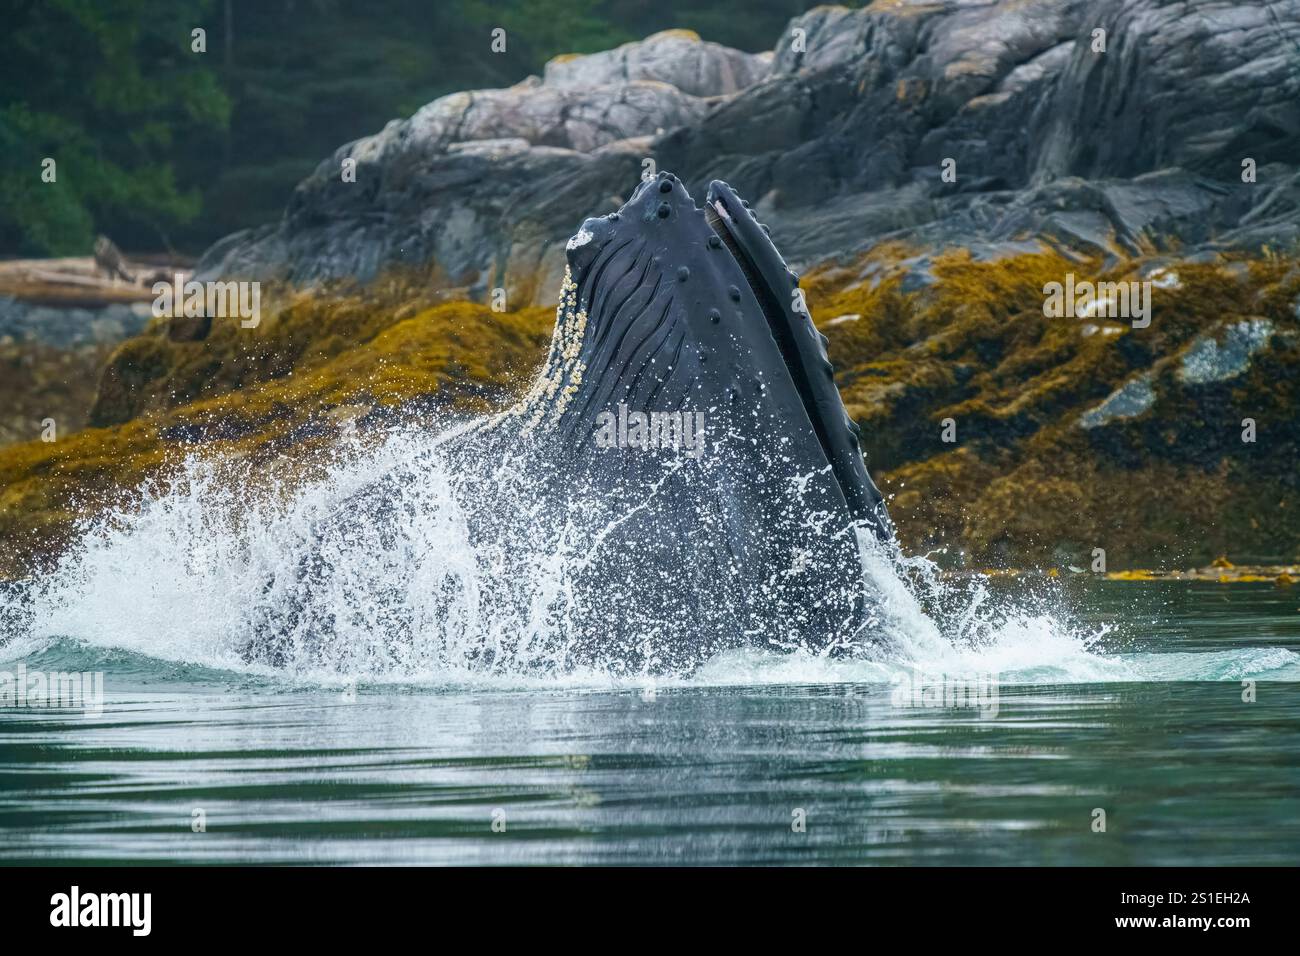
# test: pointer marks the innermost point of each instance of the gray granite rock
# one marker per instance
(839, 137)
(1128, 401)
(677, 58)
(1217, 358)
(22, 321)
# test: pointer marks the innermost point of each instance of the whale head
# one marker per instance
(595, 544)
(672, 305)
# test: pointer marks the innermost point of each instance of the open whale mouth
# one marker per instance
(802, 348)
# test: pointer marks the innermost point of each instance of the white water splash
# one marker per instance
(193, 571)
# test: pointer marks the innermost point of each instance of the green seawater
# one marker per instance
(750, 761)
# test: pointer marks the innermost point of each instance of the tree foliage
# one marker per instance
(109, 90)
(157, 145)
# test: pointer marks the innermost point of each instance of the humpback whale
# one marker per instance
(682, 472)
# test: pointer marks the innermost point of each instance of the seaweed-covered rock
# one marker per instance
(1168, 473)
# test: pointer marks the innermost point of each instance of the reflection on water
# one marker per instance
(687, 773)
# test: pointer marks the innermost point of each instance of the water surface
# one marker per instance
(710, 769)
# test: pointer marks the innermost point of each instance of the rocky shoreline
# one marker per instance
(1001, 127)
(1050, 457)
(1004, 436)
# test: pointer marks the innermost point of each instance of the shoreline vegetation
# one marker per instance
(1003, 438)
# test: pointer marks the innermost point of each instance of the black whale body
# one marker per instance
(682, 315)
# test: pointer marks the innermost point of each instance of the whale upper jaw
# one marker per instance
(671, 303)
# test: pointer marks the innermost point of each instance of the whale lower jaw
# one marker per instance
(671, 306)
(802, 348)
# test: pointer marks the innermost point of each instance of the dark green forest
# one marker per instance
(164, 147)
